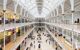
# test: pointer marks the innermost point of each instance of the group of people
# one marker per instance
(38, 39)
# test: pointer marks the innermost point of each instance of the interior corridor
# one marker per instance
(39, 24)
(40, 39)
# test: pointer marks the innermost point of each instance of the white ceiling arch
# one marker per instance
(47, 7)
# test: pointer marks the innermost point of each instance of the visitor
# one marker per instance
(27, 48)
(39, 46)
(31, 44)
(56, 48)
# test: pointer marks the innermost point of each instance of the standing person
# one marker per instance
(46, 41)
(39, 46)
(31, 44)
(49, 42)
(27, 48)
(34, 46)
(0, 47)
(34, 41)
(56, 48)
(37, 31)
(43, 33)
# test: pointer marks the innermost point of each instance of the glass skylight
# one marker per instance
(48, 6)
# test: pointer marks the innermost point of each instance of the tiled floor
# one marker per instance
(44, 45)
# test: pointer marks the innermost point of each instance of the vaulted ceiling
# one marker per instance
(39, 8)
